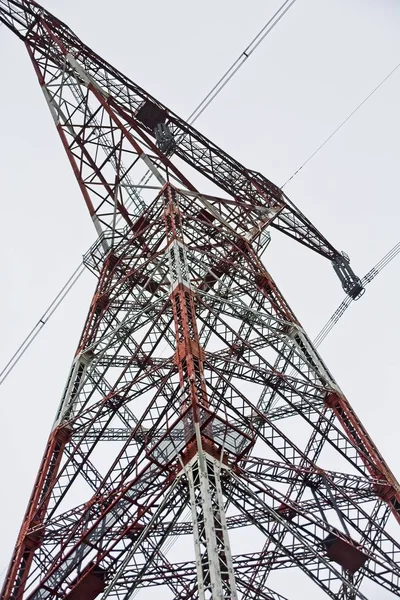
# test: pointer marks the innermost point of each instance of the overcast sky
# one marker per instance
(322, 59)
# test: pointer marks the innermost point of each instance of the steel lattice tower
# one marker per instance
(196, 404)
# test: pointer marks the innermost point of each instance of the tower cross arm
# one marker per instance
(254, 203)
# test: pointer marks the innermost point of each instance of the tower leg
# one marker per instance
(216, 580)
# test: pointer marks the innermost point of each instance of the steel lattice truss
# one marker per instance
(196, 405)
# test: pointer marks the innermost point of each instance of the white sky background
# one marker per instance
(321, 60)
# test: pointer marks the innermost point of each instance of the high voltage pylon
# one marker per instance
(194, 390)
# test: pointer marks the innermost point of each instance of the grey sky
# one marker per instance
(321, 60)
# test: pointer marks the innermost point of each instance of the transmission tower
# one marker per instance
(196, 407)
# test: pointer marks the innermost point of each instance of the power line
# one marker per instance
(341, 124)
(344, 305)
(41, 323)
(200, 108)
(242, 58)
